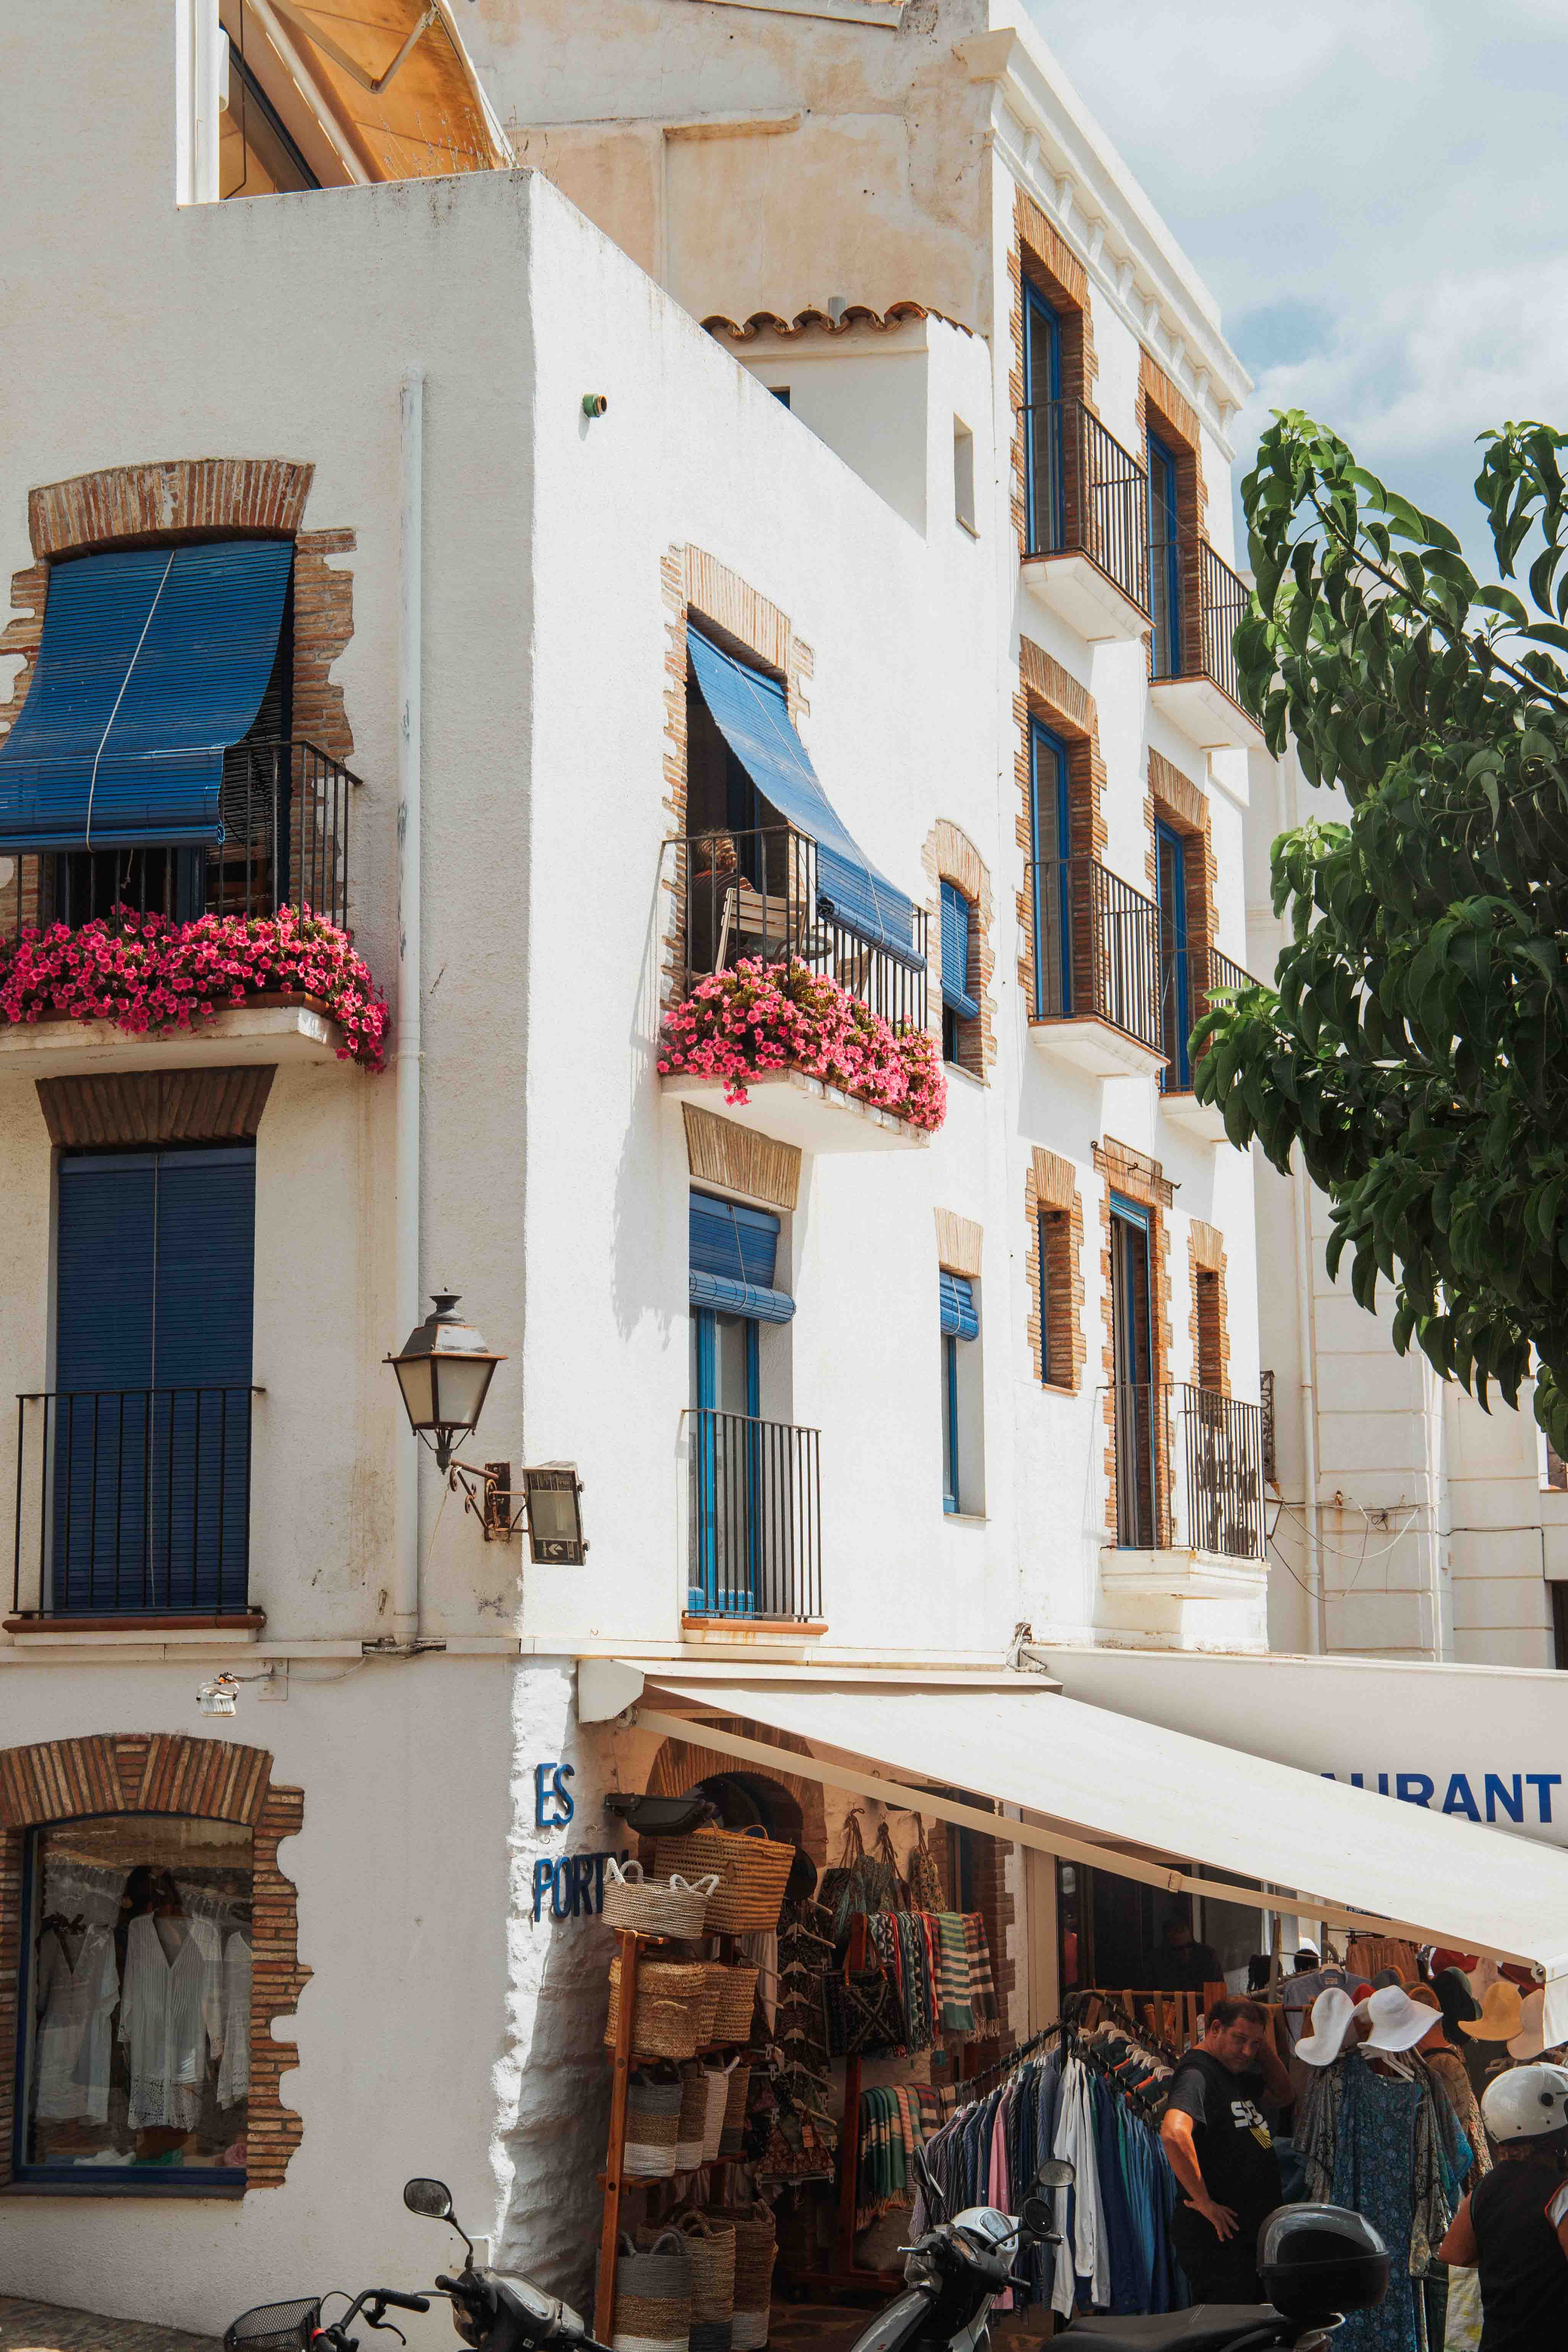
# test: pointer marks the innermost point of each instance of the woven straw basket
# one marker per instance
(756, 2248)
(653, 2128)
(693, 2117)
(734, 2124)
(653, 2296)
(671, 1997)
(710, 2248)
(716, 2083)
(737, 1996)
(652, 1906)
(751, 1872)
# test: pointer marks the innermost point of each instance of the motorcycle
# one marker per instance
(1316, 2262)
(490, 2314)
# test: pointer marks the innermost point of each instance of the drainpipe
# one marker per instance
(1306, 1310)
(406, 1561)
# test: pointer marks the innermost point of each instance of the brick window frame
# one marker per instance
(1039, 257)
(1165, 411)
(1053, 1219)
(948, 856)
(1172, 799)
(1209, 1323)
(1132, 1173)
(202, 1779)
(1050, 694)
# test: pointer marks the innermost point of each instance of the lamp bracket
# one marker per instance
(488, 1491)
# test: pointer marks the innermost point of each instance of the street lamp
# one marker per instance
(444, 1371)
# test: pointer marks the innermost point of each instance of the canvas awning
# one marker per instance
(1137, 1800)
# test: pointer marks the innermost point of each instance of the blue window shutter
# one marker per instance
(733, 1252)
(1134, 1212)
(752, 714)
(152, 661)
(103, 1281)
(960, 1314)
(206, 1246)
(956, 915)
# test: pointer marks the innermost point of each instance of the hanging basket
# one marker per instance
(653, 2128)
(737, 1998)
(710, 2248)
(653, 2296)
(654, 1907)
(734, 2124)
(716, 2083)
(693, 2117)
(756, 2250)
(751, 1872)
(671, 1995)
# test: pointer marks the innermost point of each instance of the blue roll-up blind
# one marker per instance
(955, 954)
(752, 714)
(733, 1252)
(960, 1314)
(153, 660)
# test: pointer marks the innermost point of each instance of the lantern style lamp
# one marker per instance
(444, 1371)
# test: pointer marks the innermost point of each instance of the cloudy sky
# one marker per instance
(1372, 190)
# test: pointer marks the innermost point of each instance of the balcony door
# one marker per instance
(1043, 422)
(150, 1486)
(1165, 563)
(1050, 850)
(725, 1391)
(1175, 982)
(1132, 1330)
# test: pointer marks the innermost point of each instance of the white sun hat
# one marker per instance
(1396, 2022)
(1332, 2013)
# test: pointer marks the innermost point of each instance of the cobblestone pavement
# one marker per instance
(49, 2327)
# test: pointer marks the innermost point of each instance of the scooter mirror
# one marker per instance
(1038, 2218)
(432, 2199)
(1054, 2173)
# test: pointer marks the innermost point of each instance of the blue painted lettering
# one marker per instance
(1544, 1783)
(1414, 1788)
(1459, 1800)
(544, 1872)
(1498, 1793)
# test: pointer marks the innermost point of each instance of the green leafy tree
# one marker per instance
(1414, 1045)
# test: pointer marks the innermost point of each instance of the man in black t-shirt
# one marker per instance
(1221, 2152)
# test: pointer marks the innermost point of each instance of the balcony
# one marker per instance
(754, 1520)
(1097, 969)
(1196, 602)
(1191, 977)
(132, 1510)
(1188, 1493)
(757, 896)
(1087, 531)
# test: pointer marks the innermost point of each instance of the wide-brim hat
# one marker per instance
(1531, 2040)
(1394, 2020)
(1502, 2017)
(1332, 2014)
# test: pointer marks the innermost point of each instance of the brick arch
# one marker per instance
(948, 856)
(167, 1772)
(681, 1762)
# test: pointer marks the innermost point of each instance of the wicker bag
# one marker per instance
(670, 1997)
(716, 2084)
(650, 1906)
(756, 2247)
(753, 1871)
(653, 2128)
(737, 1998)
(925, 1877)
(895, 1887)
(711, 2246)
(693, 2118)
(733, 2128)
(653, 2296)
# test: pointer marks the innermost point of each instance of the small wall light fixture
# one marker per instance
(594, 404)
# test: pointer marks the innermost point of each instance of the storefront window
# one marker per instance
(136, 2000)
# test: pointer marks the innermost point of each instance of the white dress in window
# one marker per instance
(233, 2075)
(74, 2004)
(171, 2016)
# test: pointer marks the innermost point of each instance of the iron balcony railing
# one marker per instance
(133, 1502)
(755, 895)
(1190, 977)
(284, 809)
(755, 1517)
(1189, 1470)
(1097, 948)
(1086, 495)
(1196, 602)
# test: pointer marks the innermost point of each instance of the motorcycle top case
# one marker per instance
(1316, 2259)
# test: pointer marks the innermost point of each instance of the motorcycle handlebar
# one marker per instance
(388, 2295)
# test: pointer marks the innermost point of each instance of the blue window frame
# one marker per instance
(1165, 650)
(949, 1422)
(1175, 983)
(726, 1389)
(1050, 848)
(957, 1004)
(1043, 435)
(1133, 1331)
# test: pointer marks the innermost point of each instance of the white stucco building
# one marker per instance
(390, 536)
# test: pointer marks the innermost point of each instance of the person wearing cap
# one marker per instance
(1513, 2226)
(1221, 2152)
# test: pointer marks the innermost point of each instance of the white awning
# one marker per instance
(1091, 1783)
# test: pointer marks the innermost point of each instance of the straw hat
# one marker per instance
(1394, 2022)
(1531, 2040)
(1332, 2014)
(1502, 2017)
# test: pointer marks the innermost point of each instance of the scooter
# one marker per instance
(491, 2314)
(1317, 2262)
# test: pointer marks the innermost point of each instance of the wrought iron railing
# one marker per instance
(1190, 977)
(1097, 948)
(1086, 495)
(757, 894)
(133, 1502)
(1189, 1470)
(755, 1517)
(284, 809)
(1197, 602)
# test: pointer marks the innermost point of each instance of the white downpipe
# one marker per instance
(410, 571)
(1306, 1310)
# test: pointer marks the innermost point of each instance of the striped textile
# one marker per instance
(981, 1985)
(957, 2008)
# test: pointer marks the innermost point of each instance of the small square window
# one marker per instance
(964, 477)
(781, 394)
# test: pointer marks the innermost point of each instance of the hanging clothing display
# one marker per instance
(894, 2121)
(940, 1964)
(171, 2017)
(75, 1999)
(234, 2071)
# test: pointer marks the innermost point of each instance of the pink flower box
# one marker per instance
(759, 1017)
